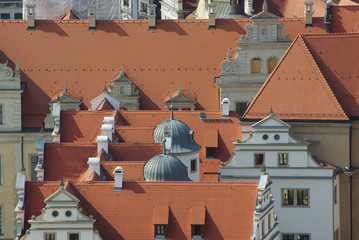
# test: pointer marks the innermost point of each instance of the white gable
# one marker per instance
(95, 103)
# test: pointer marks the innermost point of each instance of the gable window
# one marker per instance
(33, 166)
(49, 236)
(256, 65)
(73, 236)
(122, 90)
(211, 152)
(193, 165)
(196, 230)
(1, 114)
(283, 159)
(1, 219)
(241, 108)
(143, 7)
(295, 197)
(272, 62)
(258, 159)
(160, 230)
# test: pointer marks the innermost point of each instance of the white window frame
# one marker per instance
(140, 7)
(295, 198)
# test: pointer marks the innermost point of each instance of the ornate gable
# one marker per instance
(180, 101)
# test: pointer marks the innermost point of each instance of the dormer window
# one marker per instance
(197, 231)
(160, 231)
(122, 90)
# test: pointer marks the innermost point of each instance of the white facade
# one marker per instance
(186, 159)
(303, 187)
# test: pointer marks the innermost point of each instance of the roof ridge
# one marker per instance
(323, 80)
(329, 34)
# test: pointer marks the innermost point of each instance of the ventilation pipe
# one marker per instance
(211, 16)
(102, 143)
(151, 9)
(118, 174)
(225, 107)
(30, 16)
(308, 12)
(92, 17)
(94, 166)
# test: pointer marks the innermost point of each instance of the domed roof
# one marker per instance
(165, 168)
(181, 135)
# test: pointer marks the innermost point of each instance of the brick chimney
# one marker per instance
(118, 175)
(151, 9)
(211, 16)
(236, 7)
(308, 13)
(30, 16)
(92, 17)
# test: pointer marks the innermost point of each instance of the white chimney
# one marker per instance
(111, 121)
(225, 107)
(102, 143)
(212, 16)
(308, 12)
(92, 17)
(30, 16)
(94, 166)
(107, 131)
(118, 173)
(151, 9)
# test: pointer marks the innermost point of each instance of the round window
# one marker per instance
(276, 137)
(55, 213)
(265, 136)
(68, 213)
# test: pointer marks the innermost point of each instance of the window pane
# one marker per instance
(288, 237)
(5, 16)
(160, 230)
(259, 158)
(18, 15)
(288, 196)
(302, 197)
(193, 165)
(282, 158)
(303, 237)
(241, 108)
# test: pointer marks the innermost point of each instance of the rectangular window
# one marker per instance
(193, 165)
(288, 236)
(18, 15)
(211, 152)
(335, 194)
(258, 159)
(295, 197)
(126, 3)
(122, 90)
(1, 219)
(269, 221)
(160, 230)
(33, 160)
(196, 230)
(5, 16)
(1, 114)
(263, 228)
(143, 7)
(74, 236)
(303, 237)
(241, 108)
(1, 168)
(283, 159)
(49, 236)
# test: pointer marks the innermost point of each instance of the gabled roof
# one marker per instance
(70, 15)
(178, 96)
(307, 92)
(344, 19)
(105, 105)
(271, 122)
(65, 98)
(122, 77)
(226, 204)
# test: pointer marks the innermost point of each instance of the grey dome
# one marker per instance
(182, 141)
(165, 168)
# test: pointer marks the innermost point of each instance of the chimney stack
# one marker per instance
(151, 9)
(107, 131)
(30, 16)
(92, 17)
(211, 16)
(236, 7)
(308, 12)
(118, 175)
(225, 107)
(94, 165)
(111, 121)
(102, 143)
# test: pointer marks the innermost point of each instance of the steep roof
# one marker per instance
(228, 207)
(70, 15)
(322, 88)
(344, 19)
(157, 61)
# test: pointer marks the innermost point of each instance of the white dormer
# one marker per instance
(60, 219)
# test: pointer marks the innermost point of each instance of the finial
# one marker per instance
(17, 69)
(263, 170)
(62, 185)
(58, 98)
(229, 56)
(64, 92)
(271, 112)
(105, 88)
(164, 146)
(171, 107)
(265, 6)
(122, 73)
(179, 90)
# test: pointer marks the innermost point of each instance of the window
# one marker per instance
(143, 7)
(160, 230)
(211, 152)
(272, 62)
(1, 167)
(303, 237)
(18, 15)
(256, 65)
(126, 3)
(269, 221)
(193, 165)
(1, 114)
(74, 236)
(283, 159)
(122, 90)
(295, 236)
(196, 230)
(241, 108)
(263, 228)
(49, 236)
(295, 197)
(1, 219)
(5, 16)
(33, 162)
(335, 194)
(258, 159)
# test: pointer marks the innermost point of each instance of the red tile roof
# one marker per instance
(229, 207)
(174, 55)
(344, 19)
(70, 16)
(322, 88)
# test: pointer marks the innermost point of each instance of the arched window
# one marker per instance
(256, 65)
(272, 62)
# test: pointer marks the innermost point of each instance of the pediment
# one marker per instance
(180, 98)
(265, 15)
(61, 195)
(271, 122)
(66, 99)
(96, 102)
(122, 78)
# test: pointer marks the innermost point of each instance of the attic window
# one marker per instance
(258, 159)
(256, 65)
(196, 230)
(160, 231)
(211, 152)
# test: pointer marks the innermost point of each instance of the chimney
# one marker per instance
(308, 12)
(151, 9)
(236, 7)
(211, 16)
(92, 17)
(118, 174)
(111, 121)
(225, 107)
(102, 143)
(107, 131)
(94, 166)
(30, 16)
